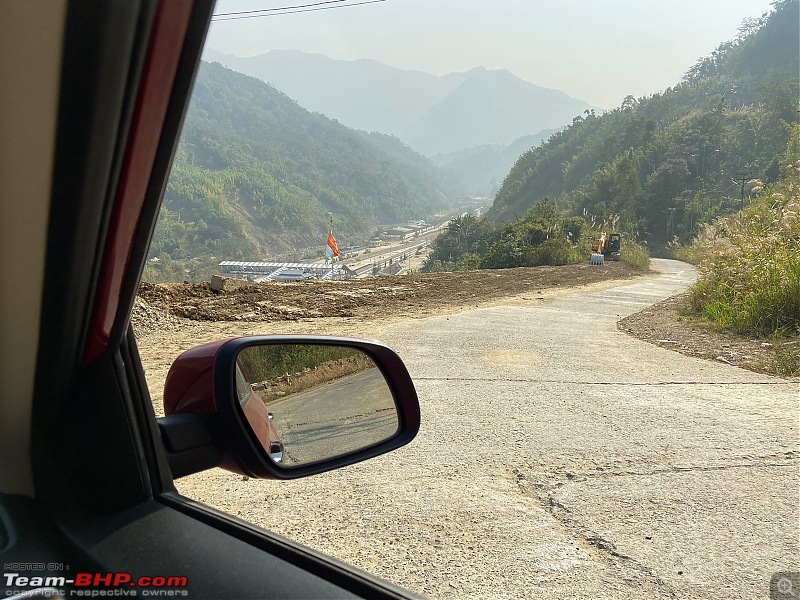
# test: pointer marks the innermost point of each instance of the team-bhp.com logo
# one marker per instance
(95, 585)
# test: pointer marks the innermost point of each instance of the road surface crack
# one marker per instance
(620, 383)
(602, 548)
(552, 477)
(543, 485)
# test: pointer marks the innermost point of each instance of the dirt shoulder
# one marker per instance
(370, 299)
(667, 324)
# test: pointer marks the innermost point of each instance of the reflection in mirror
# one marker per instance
(309, 402)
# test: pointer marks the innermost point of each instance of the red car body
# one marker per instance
(187, 390)
(260, 419)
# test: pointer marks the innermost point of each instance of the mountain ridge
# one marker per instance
(494, 106)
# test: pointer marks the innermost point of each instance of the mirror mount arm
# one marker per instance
(190, 443)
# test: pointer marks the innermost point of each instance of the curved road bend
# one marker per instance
(343, 415)
(576, 460)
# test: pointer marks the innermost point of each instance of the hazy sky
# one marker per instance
(595, 50)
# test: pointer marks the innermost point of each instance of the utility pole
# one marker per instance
(742, 179)
(671, 212)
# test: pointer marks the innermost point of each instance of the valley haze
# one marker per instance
(598, 51)
(432, 114)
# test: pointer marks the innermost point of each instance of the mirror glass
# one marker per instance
(308, 402)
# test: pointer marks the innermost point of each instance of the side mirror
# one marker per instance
(286, 406)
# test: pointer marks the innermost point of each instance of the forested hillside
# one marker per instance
(256, 175)
(666, 163)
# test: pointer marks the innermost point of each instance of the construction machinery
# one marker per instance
(606, 247)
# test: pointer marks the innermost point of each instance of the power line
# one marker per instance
(291, 12)
(266, 10)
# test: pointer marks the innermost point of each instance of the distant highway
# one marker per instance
(393, 255)
(395, 252)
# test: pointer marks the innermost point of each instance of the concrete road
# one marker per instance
(597, 465)
(559, 458)
(334, 418)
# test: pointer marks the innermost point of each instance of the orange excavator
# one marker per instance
(606, 247)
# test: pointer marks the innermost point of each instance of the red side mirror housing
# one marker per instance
(286, 406)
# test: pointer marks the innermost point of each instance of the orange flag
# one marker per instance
(333, 247)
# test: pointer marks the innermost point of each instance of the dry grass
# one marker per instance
(750, 265)
(750, 272)
(293, 383)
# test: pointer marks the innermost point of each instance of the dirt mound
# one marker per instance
(407, 295)
(148, 319)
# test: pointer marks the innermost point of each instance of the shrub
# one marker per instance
(467, 262)
(750, 279)
(634, 254)
(556, 251)
(706, 244)
(262, 363)
(504, 254)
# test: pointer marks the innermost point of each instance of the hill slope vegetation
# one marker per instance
(661, 166)
(479, 170)
(256, 175)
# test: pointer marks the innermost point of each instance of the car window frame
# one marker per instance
(105, 498)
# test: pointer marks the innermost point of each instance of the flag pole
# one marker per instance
(330, 232)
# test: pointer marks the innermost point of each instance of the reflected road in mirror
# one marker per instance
(324, 401)
(339, 417)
